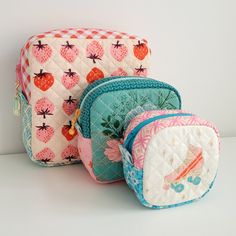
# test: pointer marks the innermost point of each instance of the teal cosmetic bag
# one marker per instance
(104, 108)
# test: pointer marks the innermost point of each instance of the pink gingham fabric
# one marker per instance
(83, 33)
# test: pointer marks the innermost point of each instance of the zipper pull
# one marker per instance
(17, 100)
(73, 122)
(17, 103)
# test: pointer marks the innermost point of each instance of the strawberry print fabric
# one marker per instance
(55, 68)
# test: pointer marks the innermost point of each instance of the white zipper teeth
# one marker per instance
(100, 85)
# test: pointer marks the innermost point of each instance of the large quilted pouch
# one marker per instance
(104, 108)
(54, 69)
(170, 157)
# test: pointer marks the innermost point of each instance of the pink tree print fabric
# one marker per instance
(143, 137)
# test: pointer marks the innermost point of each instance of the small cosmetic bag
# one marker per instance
(104, 108)
(54, 69)
(170, 157)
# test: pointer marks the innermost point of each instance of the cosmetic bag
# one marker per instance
(54, 69)
(170, 157)
(104, 108)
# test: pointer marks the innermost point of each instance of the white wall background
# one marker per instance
(193, 45)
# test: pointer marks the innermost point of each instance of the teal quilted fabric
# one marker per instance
(107, 118)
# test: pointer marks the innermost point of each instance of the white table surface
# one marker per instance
(58, 201)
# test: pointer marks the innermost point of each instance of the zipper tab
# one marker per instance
(73, 122)
(17, 103)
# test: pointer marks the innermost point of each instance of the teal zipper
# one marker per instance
(101, 83)
(131, 137)
(95, 84)
(110, 85)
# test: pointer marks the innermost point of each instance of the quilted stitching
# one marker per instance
(164, 99)
(159, 171)
(198, 129)
(57, 93)
(148, 130)
(71, 33)
(26, 123)
(115, 104)
(26, 111)
(134, 179)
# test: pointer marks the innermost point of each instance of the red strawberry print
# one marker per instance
(69, 52)
(69, 79)
(65, 131)
(70, 153)
(119, 72)
(119, 51)
(43, 80)
(69, 105)
(94, 51)
(140, 71)
(42, 52)
(44, 107)
(140, 50)
(44, 133)
(94, 74)
(45, 155)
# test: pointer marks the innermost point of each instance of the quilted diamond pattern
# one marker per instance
(107, 120)
(175, 159)
(52, 88)
(157, 165)
(26, 123)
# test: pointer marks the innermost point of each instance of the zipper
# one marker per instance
(131, 137)
(143, 83)
(96, 83)
(87, 92)
(119, 78)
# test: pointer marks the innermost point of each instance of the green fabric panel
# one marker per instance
(107, 118)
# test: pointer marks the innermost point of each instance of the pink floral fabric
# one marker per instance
(112, 152)
(146, 115)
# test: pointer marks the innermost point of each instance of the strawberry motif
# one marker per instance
(65, 131)
(119, 51)
(69, 52)
(119, 72)
(44, 133)
(44, 107)
(69, 79)
(140, 50)
(43, 80)
(70, 153)
(94, 74)
(140, 71)
(42, 52)
(69, 105)
(45, 155)
(94, 51)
